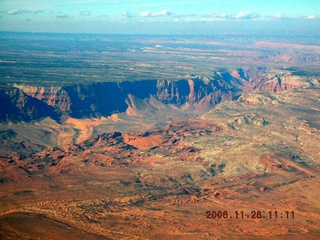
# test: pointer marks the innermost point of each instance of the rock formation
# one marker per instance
(104, 99)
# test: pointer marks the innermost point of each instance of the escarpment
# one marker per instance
(18, 106)
(25, 102)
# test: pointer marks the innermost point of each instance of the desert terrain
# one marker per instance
(119, 137)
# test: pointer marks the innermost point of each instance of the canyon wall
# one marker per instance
(18, 106)
(25, 102)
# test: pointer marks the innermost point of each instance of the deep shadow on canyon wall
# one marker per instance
(103, 99)
(26, 103)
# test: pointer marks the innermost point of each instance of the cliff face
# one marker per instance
(95, 100)
(278, 82)
(56, 97)
(18, 106)
(103, 99)
(282, 83)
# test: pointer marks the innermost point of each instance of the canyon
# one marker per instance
(104, 99)
(159, 137)
(77, 112)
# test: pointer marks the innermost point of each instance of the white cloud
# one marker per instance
(246, 15)
(278, 16)
(17, 11)
(162, 13)
(312, 17)
(218, 17)
(21, 11)
(221, 15)
(145, 14)
(128, 15)
(85, 13)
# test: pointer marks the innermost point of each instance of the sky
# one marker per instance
(161, 16)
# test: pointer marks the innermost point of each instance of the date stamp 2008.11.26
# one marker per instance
(250, 215)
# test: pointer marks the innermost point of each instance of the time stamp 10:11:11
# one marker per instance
(252, 215)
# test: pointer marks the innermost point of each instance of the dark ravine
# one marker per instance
(26, 103)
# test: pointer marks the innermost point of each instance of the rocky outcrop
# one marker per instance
(282, 83)
(278, 82)
(56, 97)
(142, 141)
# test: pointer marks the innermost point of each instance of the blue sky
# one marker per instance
(155, 16)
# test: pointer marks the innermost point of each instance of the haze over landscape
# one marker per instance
(159, 119)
